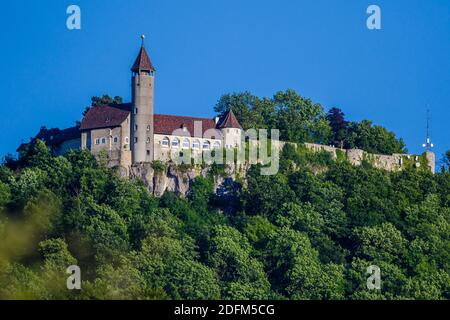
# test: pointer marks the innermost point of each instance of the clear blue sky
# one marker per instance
(203, 49)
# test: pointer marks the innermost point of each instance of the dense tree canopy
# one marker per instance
(300, 120)
(308, 232)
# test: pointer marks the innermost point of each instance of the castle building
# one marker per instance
(132, 133)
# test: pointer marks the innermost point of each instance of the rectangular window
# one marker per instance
(135, 140)
(148, 152)
(103, 140)
(97, 141)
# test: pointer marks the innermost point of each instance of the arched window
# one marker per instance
(206, 145)
(216, 145)
(165, 142)
(196, 144)
(175, 143)
(186, 143)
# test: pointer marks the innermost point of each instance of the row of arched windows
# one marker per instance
(186, 144)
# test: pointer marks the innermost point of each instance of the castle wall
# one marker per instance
(319, 147)
(394, 162)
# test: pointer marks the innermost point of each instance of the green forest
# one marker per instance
(308, 232)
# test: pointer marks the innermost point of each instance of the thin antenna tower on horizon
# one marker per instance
(428, 145)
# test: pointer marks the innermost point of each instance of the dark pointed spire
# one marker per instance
(142, 62)
(229, 121)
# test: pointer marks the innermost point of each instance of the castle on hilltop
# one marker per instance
(131, 133)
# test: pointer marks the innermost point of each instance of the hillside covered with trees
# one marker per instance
(301, 120)
(308, 232)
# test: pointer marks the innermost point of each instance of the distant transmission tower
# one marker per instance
(428, 145)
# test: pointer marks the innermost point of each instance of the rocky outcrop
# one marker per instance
(179, 179)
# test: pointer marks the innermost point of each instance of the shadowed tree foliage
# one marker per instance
(104, 100)
(339, 126)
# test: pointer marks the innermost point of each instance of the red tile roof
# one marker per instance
(167, 124)
(113, 116)
(142, 62)
(105, 117)
(229, 121)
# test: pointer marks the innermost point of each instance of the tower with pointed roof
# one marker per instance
(231, 130)
(142, 112)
